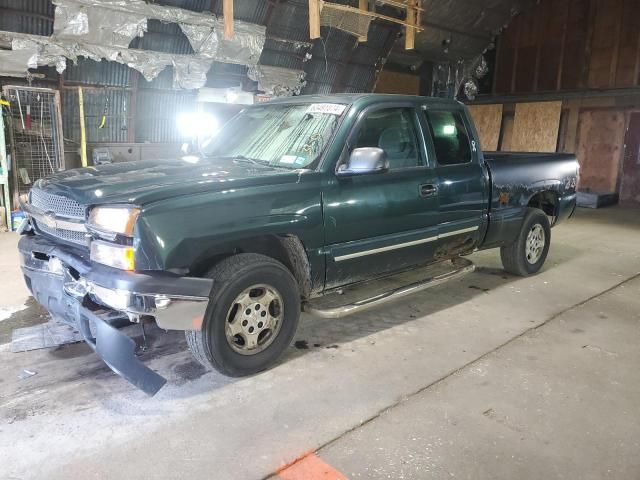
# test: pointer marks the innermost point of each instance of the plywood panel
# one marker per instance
(630, 189)
(487, 119)
(394, 82)
(535, 127)
(600, 137)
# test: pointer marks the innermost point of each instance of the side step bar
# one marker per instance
(461, 266)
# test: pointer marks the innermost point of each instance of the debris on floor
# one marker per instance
(26, 374)
(45, 335)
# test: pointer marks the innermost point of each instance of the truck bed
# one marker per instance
(517, 182)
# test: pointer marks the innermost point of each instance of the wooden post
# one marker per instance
(227, 15)
(410, 31)
(363, 5)
(314, 19)
(83, 133)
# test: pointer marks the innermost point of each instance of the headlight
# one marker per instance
(117, 256)
(113, 220)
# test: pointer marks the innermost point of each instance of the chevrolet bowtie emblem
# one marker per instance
(49, 219)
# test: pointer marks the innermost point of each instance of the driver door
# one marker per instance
(384, 222)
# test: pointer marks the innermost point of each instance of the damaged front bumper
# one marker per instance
(84, 294)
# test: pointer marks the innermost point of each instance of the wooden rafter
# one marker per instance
(314, 18)
(412, 20)
(364, 6)
(227, 15)
(367, 8)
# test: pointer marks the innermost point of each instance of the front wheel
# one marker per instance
(526, 255)
(253, 313)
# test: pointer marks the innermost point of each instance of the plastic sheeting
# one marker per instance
(244, 48)
(99, 26)
(190, 72)
(103, 29)
(116, 23)
(278, 81)
(39, 55)
(13, 64)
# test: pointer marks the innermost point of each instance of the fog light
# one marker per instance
(162, 302)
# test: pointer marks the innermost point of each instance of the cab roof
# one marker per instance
(363, 99)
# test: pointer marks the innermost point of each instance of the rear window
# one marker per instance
(450, 137)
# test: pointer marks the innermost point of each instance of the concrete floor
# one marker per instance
(491, 376)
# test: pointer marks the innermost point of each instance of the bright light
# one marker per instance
(449, 129)
(191, 158)
(197, 124)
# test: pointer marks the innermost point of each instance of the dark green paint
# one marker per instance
(192, 211)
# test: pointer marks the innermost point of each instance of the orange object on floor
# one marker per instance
(310, 467)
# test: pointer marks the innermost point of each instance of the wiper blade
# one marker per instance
(242, 158)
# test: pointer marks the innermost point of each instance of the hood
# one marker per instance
(147, 181)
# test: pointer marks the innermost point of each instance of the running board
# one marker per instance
(460, 267)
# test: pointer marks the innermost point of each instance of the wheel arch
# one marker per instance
(288, 249)
(547, 201)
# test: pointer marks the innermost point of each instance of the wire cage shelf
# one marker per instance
(35, 126)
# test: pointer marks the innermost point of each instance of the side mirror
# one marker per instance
(364, 161)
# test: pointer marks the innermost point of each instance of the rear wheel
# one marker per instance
(526, 255)
(253, 313)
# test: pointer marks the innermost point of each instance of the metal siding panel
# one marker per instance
(90, 72)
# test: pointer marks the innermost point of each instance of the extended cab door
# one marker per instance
(378, 223)
(462, 178)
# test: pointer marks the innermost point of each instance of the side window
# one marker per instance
(450, 137)
(394, 131)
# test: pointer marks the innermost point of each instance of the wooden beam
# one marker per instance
(364, 6)
(314, 19)
(398, 4)
(636, 70)
(410, 31)
(227, 15)
(563, 44)
(613, 70)
(346, 8)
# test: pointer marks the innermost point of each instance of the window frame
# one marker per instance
(422, 150)
(473, 147)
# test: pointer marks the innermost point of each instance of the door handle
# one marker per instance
(428, 190)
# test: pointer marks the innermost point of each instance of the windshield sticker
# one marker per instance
(330, 108)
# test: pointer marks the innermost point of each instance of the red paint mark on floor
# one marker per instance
(310, 467)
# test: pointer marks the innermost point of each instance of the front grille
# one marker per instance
(61, 206)
(66, 235)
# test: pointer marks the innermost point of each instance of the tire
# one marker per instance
(232, 278)
(516, 259)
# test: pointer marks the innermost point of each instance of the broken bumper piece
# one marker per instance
(66, 283)
(117, 350)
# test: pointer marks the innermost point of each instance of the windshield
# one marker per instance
(287, 136)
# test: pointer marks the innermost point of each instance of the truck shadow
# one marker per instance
(314, 333)
(75, 377)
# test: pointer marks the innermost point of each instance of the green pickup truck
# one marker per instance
(288, 203)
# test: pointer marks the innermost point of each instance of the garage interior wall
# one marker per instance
(142, 111)
(585, 55)
(395, 82)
